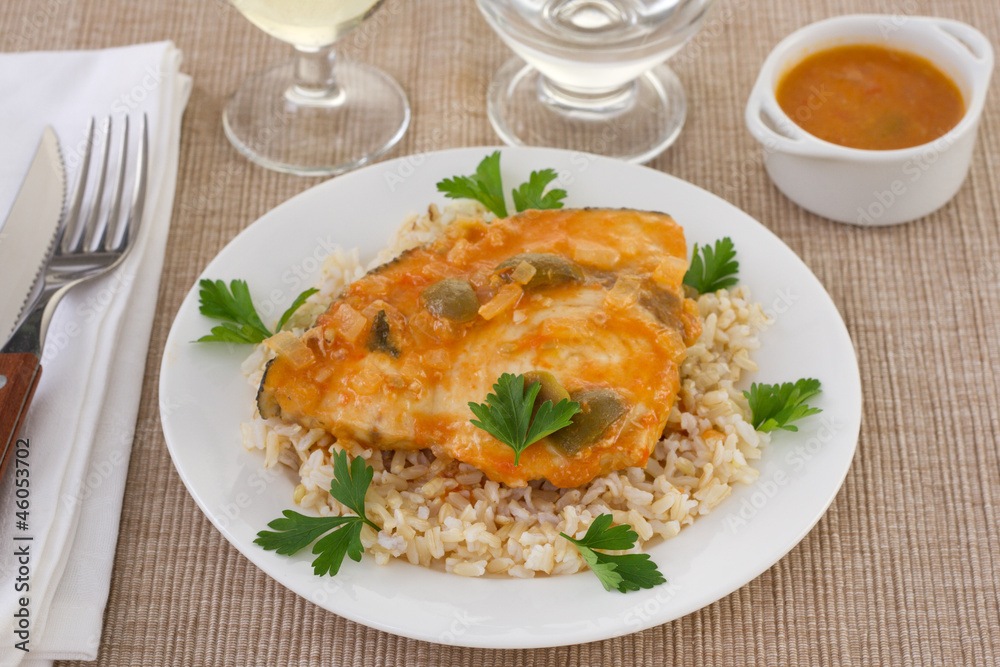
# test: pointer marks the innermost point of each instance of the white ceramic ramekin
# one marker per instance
(867, 187)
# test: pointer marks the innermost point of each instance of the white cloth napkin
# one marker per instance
(82, 421)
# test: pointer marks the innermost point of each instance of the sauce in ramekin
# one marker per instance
(870, 97)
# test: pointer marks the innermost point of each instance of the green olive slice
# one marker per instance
(451, 298)
(380, 336)
(599, 408)
(550, 389)
(664, 306)
(549, 269)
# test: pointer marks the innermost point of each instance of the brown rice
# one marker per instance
(442, 513)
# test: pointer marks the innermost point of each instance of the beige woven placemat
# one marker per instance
(902, 570)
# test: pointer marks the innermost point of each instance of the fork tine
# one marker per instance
(71, 228)
(95, 223)
(111, 226)
(77, 264)
(131, 226)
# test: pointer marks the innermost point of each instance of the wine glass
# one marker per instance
(594, 79)
(316, 115)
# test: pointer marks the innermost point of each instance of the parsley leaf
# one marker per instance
(714, 269)
(532, 193)
(485, 186)
(774, 406)
(506, 414)
(299, 300)
(626, 572)
(233, 305)
(230, 333)
(349, 484)
(296, 531)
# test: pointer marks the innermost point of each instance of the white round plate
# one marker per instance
(204, 398)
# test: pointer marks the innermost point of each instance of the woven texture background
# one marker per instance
(904, 569)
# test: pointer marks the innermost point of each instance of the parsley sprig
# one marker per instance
(297, 531)
(775, 406)
(625, 572)
(714, 269)
(234, 307)
(531, 194)
(506, 414)
(486, 187)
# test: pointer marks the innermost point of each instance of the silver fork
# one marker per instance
(91, 240)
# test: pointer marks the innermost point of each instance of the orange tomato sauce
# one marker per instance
(870, 97)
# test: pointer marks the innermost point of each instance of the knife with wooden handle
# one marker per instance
(20, 373)
(26, 243)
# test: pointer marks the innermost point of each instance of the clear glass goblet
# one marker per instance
(594, 79)
(314, 116)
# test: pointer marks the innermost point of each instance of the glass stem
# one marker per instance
(595, 102)
(315, 83)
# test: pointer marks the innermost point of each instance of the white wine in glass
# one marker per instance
(307, 23)
(316, 115)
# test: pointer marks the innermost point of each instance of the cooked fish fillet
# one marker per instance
(587, 301)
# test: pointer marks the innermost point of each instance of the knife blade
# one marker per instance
(27, 235)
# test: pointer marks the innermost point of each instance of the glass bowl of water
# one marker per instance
(590, 74)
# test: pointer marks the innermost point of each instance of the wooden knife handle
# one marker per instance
(21, 372)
